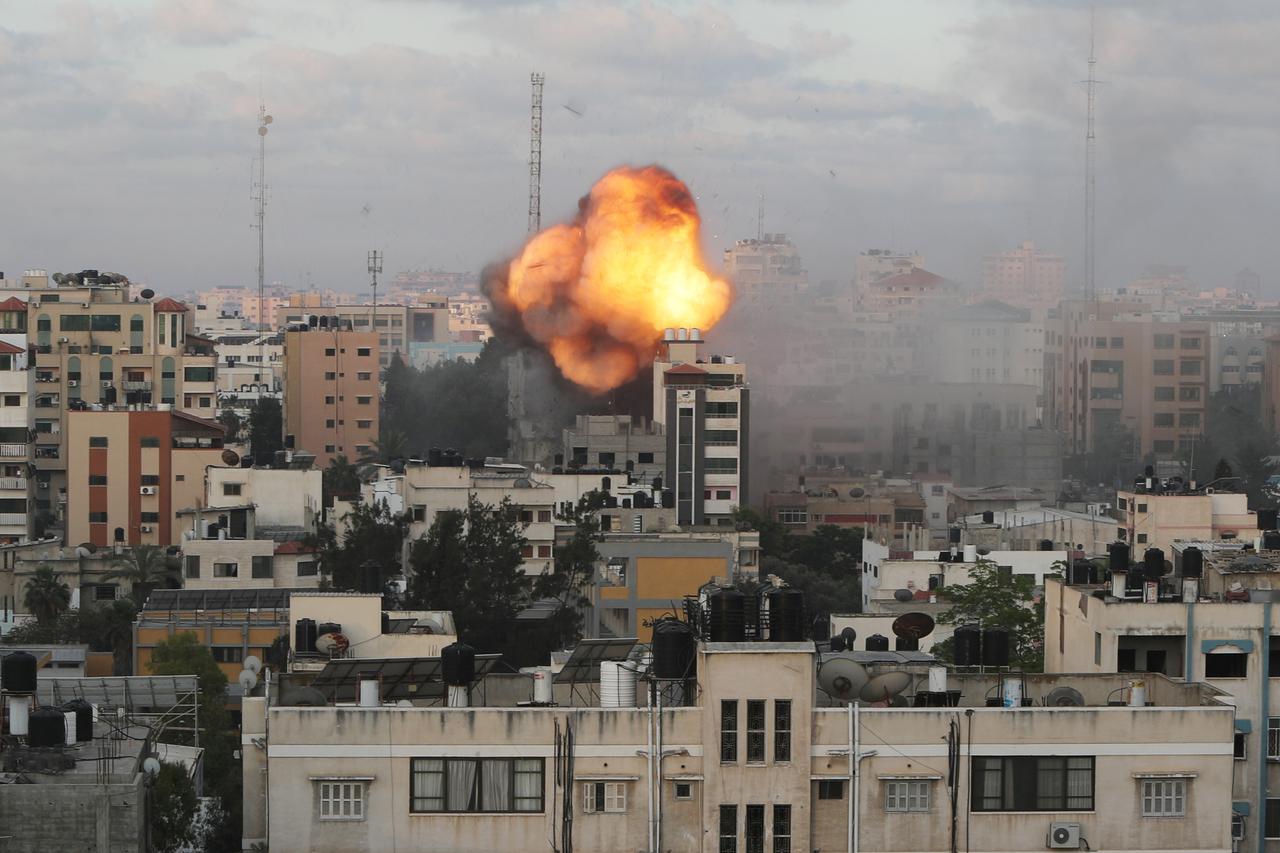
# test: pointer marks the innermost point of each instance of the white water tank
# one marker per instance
(937, 679)
(20, 715)
(369, 697)
(1011, 692)
(971, 553)
(69, 727)
(1137, 694)
(617, 685)
(542, 685)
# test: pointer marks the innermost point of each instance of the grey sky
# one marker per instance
(953, 127)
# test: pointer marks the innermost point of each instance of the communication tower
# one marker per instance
(535, 154)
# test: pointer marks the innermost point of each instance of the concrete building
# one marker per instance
(249, 364)
(988, 342)
(906, 297)
(331, 392)
(618, 442)
(758, 758)
(766, 272)
(288, 498)
(1112, 372)
(1024, 529)
(704, 408)
(131, 472)
(402, 329)
(404, 633)
(1024, 277)
(875, 264)
(17, 509)
(1271, 384)
(923, 574)
(1154, 520)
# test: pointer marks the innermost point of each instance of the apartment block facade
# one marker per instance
(17, 508)
(331, 392)
(1024, 277)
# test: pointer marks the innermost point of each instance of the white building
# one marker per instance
(990, 342)
(1025, 277)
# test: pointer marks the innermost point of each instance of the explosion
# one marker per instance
(598, 291)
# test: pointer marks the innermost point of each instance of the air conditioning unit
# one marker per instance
(64, 340)
(73, 383)
(1063, 836)
(42, 484)
(106, 383)
(147, 490)
(146, 528)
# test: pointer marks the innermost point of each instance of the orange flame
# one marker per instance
(597, 292)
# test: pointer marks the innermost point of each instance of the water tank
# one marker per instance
(386, 622)
(84, 719)
(995, 647)
(1118, 557)
(434, 457)
(1153, 564)
(726, 616)
(1192, 563)
(617, 684)
(1267, 518)
(1271, 541)
(48, 727)
(18, 673)
(328, 628)
(988, 517)
(1046, 544)
(906, 644)
(668, 499)
(877, 643)
(953, 536)
(458, 661)
(304, 635)
(674, 650)
(786, 616)
(657, 483)
(967, 645)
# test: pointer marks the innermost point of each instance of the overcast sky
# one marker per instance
(952, 127)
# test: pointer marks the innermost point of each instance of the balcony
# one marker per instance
(13, 519)
(13, 483)
(137, 384)
(13, 451)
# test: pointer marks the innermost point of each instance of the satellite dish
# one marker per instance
(984, 551)
(842, 677)
(248, 680)
(903, 595)
(913, 626)
(1064, 697)
(147, 293)
(230, 458)
(262, 131)
(151, 765)
(856, 492)
(253, 664)
(267, 119)
(885, 686)
(330, 643)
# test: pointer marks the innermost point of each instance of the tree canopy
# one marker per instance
(266, 428)
(991, 601)
(144, 568)
(173, 809)
(826, 565)
(46, 596)
(575, 567)
(104, 627)
(454, 404)
(369, 551)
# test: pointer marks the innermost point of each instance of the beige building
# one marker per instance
(758, 758)
(331, 392)
(17, 509)
(399, 327)
(766, 272)
(1024, 276)
(1151, 520)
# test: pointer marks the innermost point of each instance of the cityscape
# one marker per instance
(657, 426)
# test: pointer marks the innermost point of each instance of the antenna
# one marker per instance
(259, 196)
(375, 267)
(1089, 145)
(535, 154)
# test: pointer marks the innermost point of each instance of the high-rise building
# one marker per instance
(875, 264)
(15, 439)
(767, 272)
(331, 392)
(1024, 277)
(704, 406)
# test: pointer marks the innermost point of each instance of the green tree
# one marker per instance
(454, 404)
(105, 627)
(469, 562)
(46, 597)
(340, 479)
(144, 568)
(266, 428)
(369, 551)
(992, 601)
(775, 538)
(231, 423)
(390, 444)
(825, 592)
(173, 809)
(575, 568)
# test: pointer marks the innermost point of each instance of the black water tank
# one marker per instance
(18, 673)
(953, 535)
(1192, 563)
(304, 635)
(786, 616)
(328, 628)
(48, 727)
(386, 622)
(820, 629)
(967, 645)
(84, 719)
(988, 517)
(726, 616)
(1267, 518)
(668, 499)
(877, 643)
(1046, 544)
(657, 483)
(1153, 564)
(1271, 540)
(995, 647)
(1118, 557)
(1081, 572)
(434, 457)
(675, 650)
(458, 663)
(906, 644)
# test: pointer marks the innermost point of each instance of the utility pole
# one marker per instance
(259, 196)
(1089, 144)
(535, 154)
(375, 267)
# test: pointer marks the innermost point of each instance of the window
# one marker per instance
(608, 797)
(755, 730)
(192, 567)
(329, 423)
(544, 550)
(1190, 343)
(341, 800)
(97, 441)
(1032, 783)
(1163, 341)
(1164, 797)
(644, 458)
(197, 374)
(364, 376)
(13, 399)
(728, 730)
(684, 790)
(1240, 749)
(97, 479)
(150, 441)
(104, 592)
(74, 322)
(330, 351)
(364, 351)
(1117, 343)
(97, 518)
(227, 654)
(149, 517)
(831, 789)
(1164, 393)
(721, 465)
(721, 437)
(1162, 367)
(364, 400)
(544, 515)
(781, 730)
(476, 785)
(729, 828)
(755, 829)
(105, 323)
(1226, 665)
(526, 516)
(1273, 738)
(1189, 367)
(721, 410)
(307, 569)
(1272, 818)
(149, 480)
(1189, 419)
(1142, 537)
(781, 829)
(792, 515)
(226, 570)
(231, 488)
(262, 567)
(906, 795)
(1189, 393)
(364, 424)
(330, 375)
(1163, 419)
(328, 400)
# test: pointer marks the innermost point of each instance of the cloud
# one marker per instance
(202, 22)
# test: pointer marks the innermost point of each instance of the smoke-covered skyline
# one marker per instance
(951, 128)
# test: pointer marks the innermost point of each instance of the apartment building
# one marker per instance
(922, 573)
(1211, 620)
(250, 364)
(905, 297)
(331, 392)
(617, 442)
(400, 329)
(16, 493)
(874, 264)
(988, 342)
(756, 757)
(1024, 277)
(766, 272)
(1113, 372)
(704, 408)
(1152, 519)
(131, 473)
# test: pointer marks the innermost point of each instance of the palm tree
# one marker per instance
(47, 597)
(392, 444)
(145, 567)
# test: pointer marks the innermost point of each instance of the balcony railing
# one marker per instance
(13, 482)
(12, 519)
(137, 384)
(13, 451)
